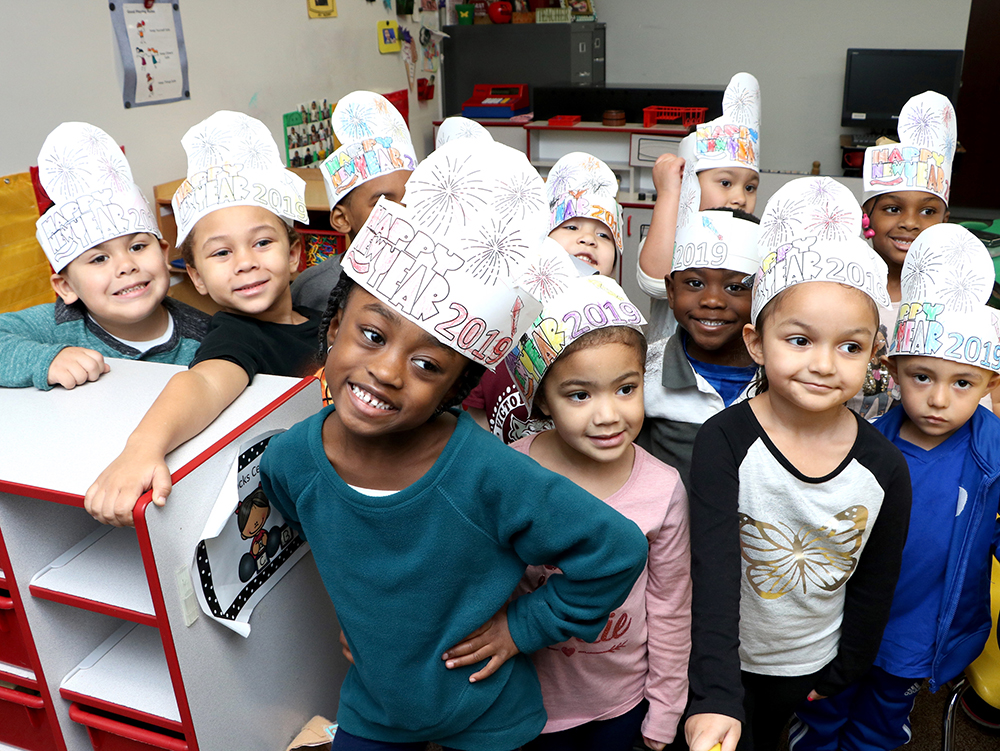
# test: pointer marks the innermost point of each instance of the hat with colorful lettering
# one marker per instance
(733, 139)
(89, 180)
(460, 127)
(581, 185)
(585, 304)
(374, 141)
(946, 282)
(475, 219)
(234, 161)
(810, 231)
(928, 137)
(710, 239)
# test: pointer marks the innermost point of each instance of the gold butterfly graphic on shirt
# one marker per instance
(782, 560)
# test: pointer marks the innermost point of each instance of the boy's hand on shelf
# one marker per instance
(113, 495)
(490, 641)
(705, 732)
(667, 173)
(76, 365)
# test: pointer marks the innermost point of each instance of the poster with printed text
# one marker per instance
(246, 546)
(151, 44)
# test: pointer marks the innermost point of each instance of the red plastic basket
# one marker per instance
(688, 115)
(564, 121)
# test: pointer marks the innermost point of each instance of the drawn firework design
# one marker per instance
(560, 180)
(741, 103)
(67, 177)
(545, 278)
(919, 275)
(960, 249)
(353, 122)
(685, 210)
(114, 171)
(253, 153)
(244, 127)
(521, 195)
(601, 183)
(830, 222)
(819, 191)
(962, 291)
(397, 129)
(452, 192)
(497, 250)
(779, 225)
(921, 126)
(207, 148)
(95, 141)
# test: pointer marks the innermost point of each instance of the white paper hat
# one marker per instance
(710, 239)
(460, 127)
(233, 161)
(89, 180)
(733, 139)
(373, 140)
(928, 135)
(810, 232)
(586, 304)
(581, 185)
(946, 281)
(475, 218)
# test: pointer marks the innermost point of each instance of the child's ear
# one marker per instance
(294, 254)
(893, 367)
(62, 287)
(543, 406)
(669, 281)
(196, 280)
(993, 382)
(334, 327)
(339, 220)
(754, 343)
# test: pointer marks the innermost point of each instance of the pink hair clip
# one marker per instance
(869, 233)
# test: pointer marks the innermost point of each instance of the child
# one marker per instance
(234, 214)
(906, 187)
(586, 221)
(594, 693)
(454, 128)
(421, 523)
(725, 156)
(110, 275)
(944, 357)
(704, 366)
(799, 507)
(375, 159)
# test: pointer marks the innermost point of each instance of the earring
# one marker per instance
(869, 233)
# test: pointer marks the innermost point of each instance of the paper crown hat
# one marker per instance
(475, 220)
(89, 180)
(810, 232)
(581, 185)
(460, 127)
(710, 239)
(374, 141)
(233, 161)
(928, 136)
(733, 139)
(586, 304)
(946, 281)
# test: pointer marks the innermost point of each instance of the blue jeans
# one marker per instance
(616, 734)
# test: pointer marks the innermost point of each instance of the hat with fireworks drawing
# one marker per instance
(475, 220)
(374, 141)
(928, 136)
(710, 239)
(581, 185)
(460, 127)
(586, 303)
(946, 281)
(810, 231)
(86, 175)
(233, 161)
(733, 139)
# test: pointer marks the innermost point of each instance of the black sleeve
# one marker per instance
(716, 567)
(230, 338)
(868, 597)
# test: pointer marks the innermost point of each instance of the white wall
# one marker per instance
(796, 48)
(262, 57)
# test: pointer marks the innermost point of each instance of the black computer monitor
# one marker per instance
(877, 83)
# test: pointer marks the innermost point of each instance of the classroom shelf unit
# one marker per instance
(102, 645)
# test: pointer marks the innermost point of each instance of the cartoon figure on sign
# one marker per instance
(251, 515)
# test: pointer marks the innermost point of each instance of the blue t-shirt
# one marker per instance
(728, 380)
(943, 479)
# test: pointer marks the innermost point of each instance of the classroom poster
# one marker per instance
(246, 546)
(151, 44)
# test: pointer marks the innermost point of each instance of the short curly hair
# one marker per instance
(339, 295)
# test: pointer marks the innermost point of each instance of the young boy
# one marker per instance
(110, 275)
(586, 221)
(234, 214)
(944, 357)
(375, 159)
(725, 156)
(704, 367)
